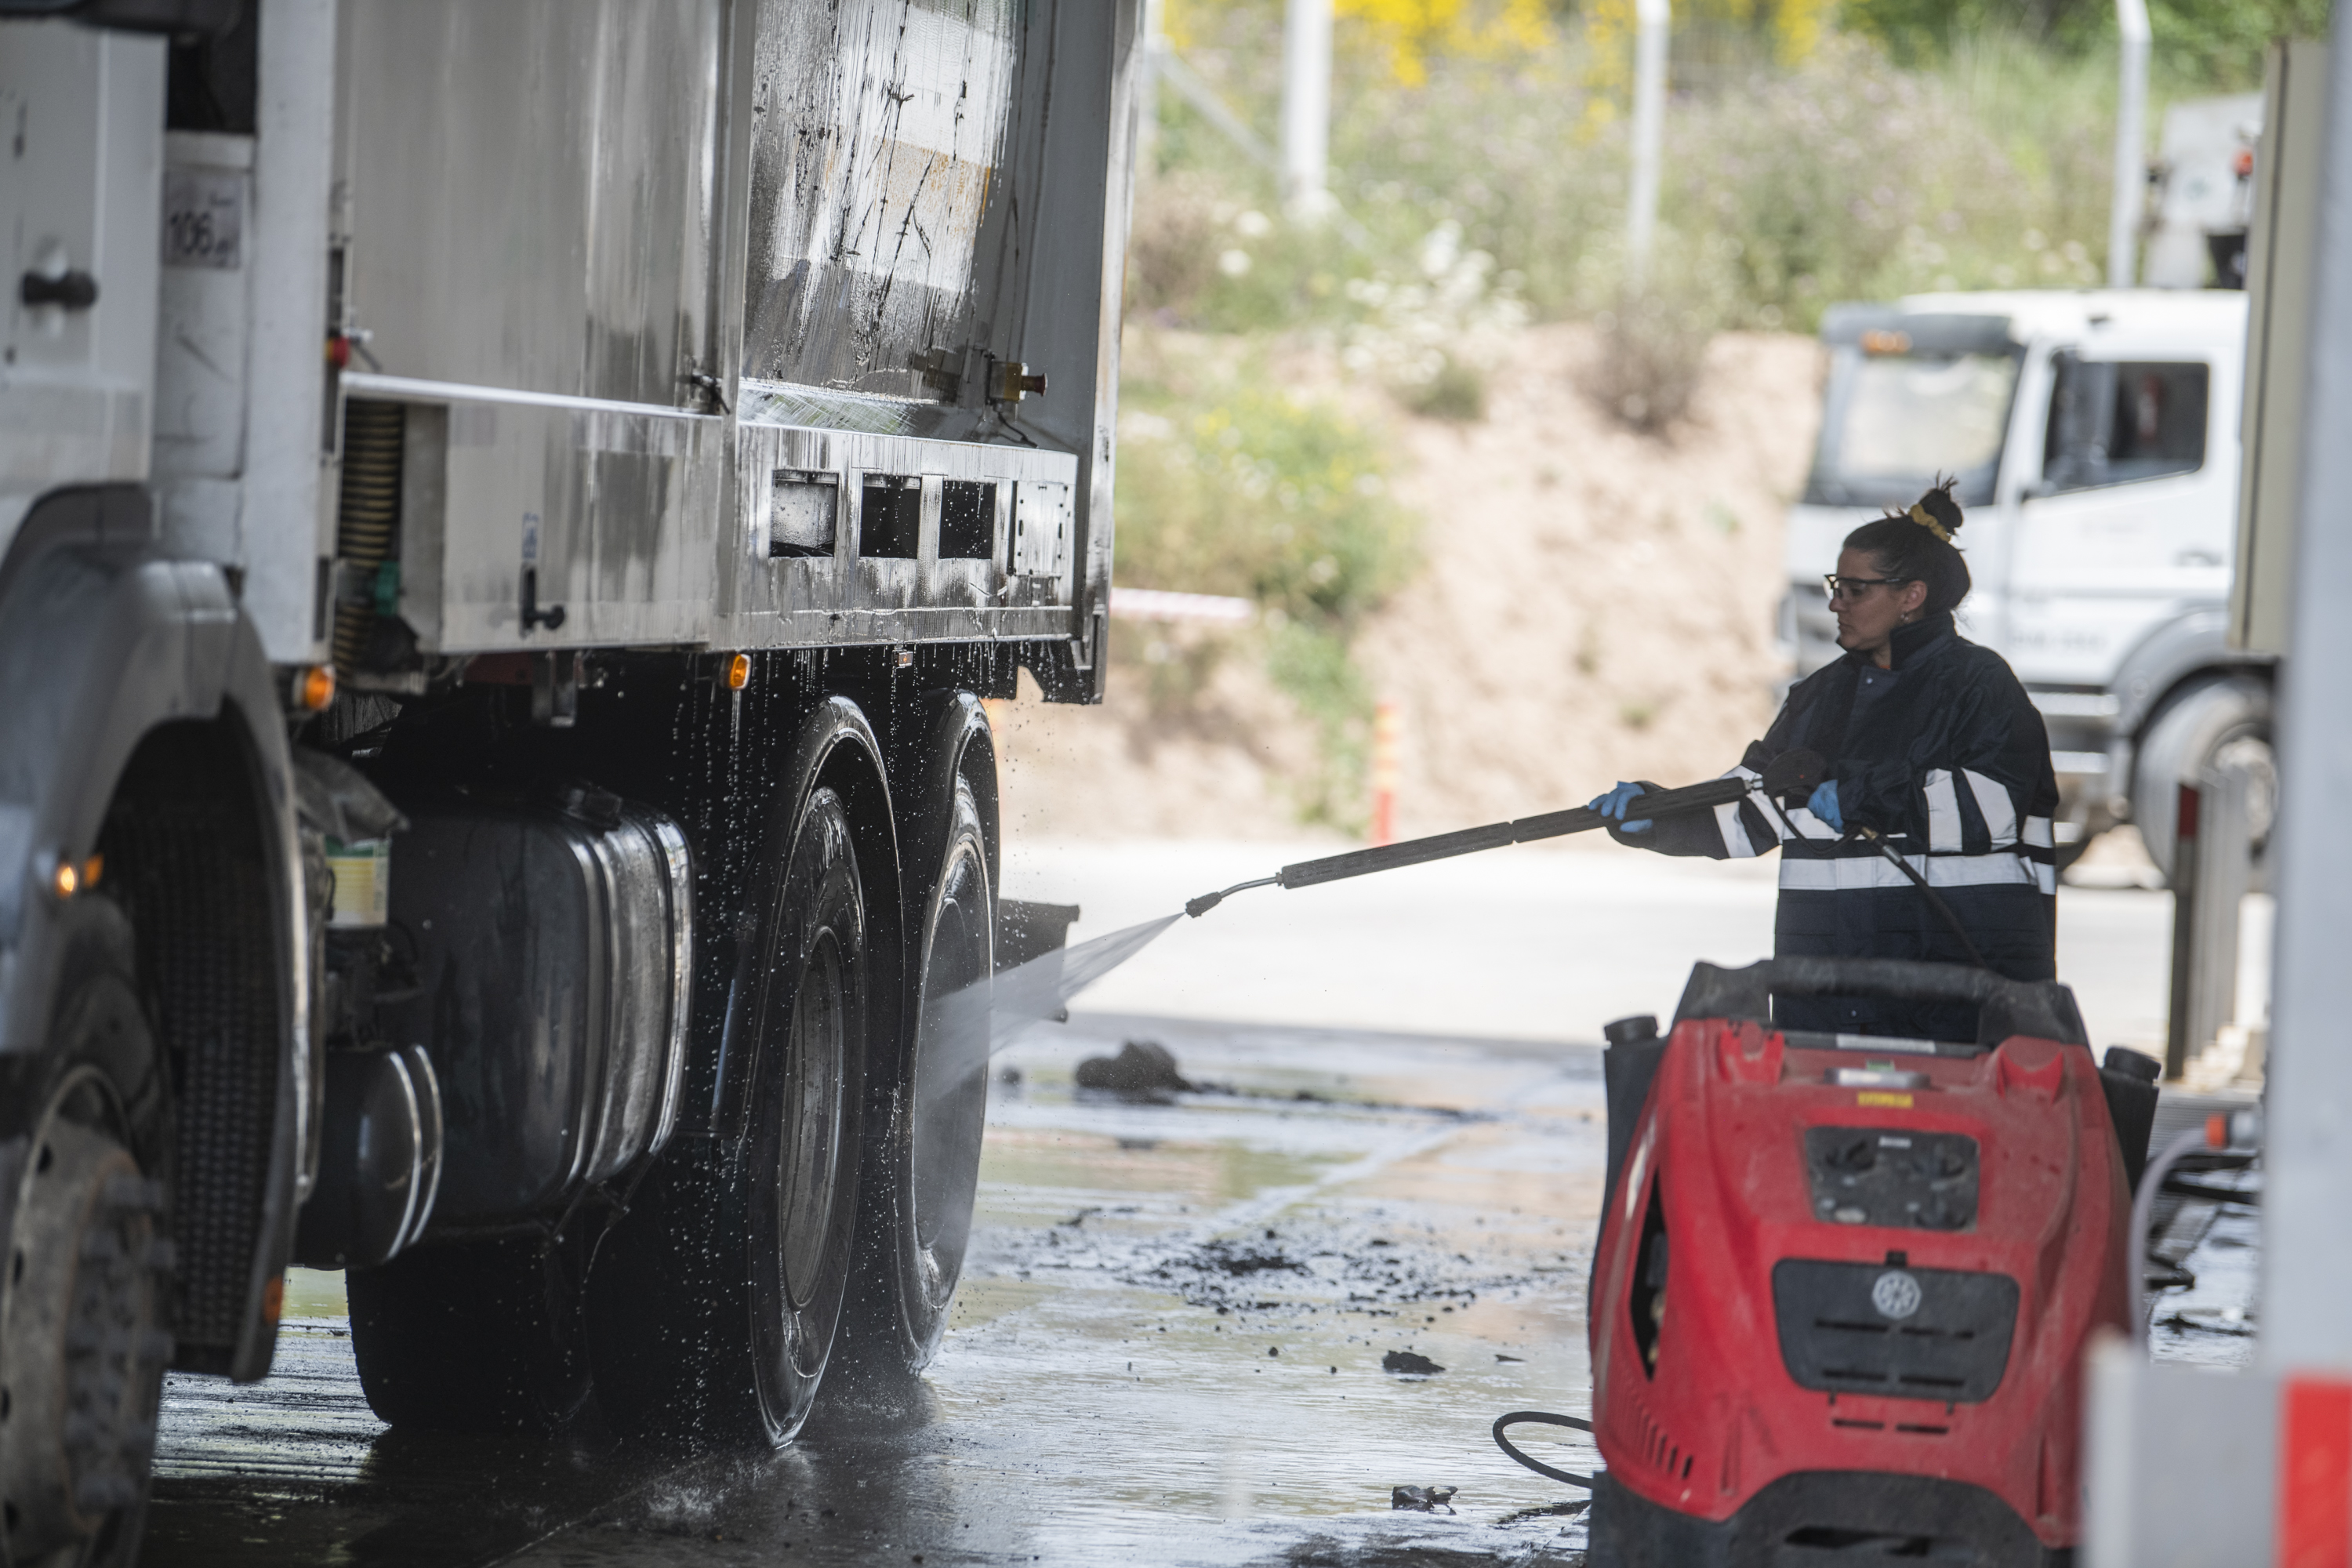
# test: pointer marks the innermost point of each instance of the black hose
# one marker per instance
(1547, 1419)
(1933, 897)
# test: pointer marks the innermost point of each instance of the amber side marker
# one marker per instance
(314, 688)
(66, 880)
(738, 672)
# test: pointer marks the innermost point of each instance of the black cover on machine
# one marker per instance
(1948, 1338)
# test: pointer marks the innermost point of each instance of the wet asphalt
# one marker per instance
(1168, 1348)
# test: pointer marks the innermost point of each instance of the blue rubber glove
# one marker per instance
(1613, 804)
(1825, 804)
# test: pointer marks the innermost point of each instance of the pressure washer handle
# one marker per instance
(1792, 774)
(1495, 836)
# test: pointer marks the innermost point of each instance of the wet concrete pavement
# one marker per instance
(1168, 1346)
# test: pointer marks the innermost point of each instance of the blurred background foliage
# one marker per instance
(1230, 484)
(1814, 151)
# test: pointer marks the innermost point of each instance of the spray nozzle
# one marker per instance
(1201, 906)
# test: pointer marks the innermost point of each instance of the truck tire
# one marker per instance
(2225, 720)
(922, 1175)
(713, 1303)
(474, 1336)
(85, 1296)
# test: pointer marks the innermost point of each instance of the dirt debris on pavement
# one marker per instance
(1143, 1069)
(1422, 1500)
(1410, 1364)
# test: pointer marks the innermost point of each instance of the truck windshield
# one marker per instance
(1892, 423)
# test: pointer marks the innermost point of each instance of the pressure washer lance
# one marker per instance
(1790, 777)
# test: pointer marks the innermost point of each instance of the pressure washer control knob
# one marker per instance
(1631, 1031)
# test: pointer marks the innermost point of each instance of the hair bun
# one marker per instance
(1938, 503)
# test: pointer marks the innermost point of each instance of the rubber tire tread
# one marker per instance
(474, 1336)
(891, 1330)
(100, 954)
(670, 1300)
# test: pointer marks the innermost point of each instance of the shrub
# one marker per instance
(1457, 391)
(1227, 485)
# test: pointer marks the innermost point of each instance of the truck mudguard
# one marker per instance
(139, 717)
(2173, 651)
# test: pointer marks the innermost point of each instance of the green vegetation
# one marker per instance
(1812, 154)
(1228, 485)
(1914, 145)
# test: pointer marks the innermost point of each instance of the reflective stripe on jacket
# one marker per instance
(1946, 756)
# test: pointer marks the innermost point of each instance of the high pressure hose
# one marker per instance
(1542, 1417)
(1933, 897)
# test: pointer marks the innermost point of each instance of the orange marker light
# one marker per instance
(738, 672)
(315, 688)
(92, 869)
(66, 880)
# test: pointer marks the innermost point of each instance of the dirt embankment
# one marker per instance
(1595, 604)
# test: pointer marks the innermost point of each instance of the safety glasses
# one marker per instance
(1854, 587)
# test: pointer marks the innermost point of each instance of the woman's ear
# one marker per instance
(1914, 598)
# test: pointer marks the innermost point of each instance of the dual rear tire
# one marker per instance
(714, 1302)
(840, 1210)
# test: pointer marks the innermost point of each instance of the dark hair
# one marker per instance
(1904, 548)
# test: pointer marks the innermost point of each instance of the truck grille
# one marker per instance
(1886, 1329)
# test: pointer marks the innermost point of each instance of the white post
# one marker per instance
(1653, 20)
(2307, 1151)
(2131, 145)
(1147, 93)
(1305, 105)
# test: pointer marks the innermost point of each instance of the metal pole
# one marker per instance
(1654, 19)
(2131, 145)
(1147, 93)
(2226, 855)
(1305, 105)
(2181, 1040)
(2307, 1192)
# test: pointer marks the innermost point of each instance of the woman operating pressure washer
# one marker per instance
(1931, 837)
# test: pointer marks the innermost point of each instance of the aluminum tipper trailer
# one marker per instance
(509, 516)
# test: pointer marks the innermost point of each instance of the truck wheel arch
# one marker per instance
(121, 670)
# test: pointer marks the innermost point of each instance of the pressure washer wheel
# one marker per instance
(82, 1339)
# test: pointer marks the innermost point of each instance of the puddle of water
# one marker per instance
(2214, 1322)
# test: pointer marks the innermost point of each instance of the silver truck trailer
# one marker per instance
(508, 515)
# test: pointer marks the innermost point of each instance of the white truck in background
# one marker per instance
(2106, 443)
(2095, 435)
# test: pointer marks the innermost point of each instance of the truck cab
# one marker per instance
(2094, 438)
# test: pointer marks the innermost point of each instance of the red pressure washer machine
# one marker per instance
(1844, 1284)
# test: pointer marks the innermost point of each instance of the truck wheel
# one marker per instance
(713, 1304)
(2223, 722)
(477, 1336)
(924, 1174)
(84, 1300)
